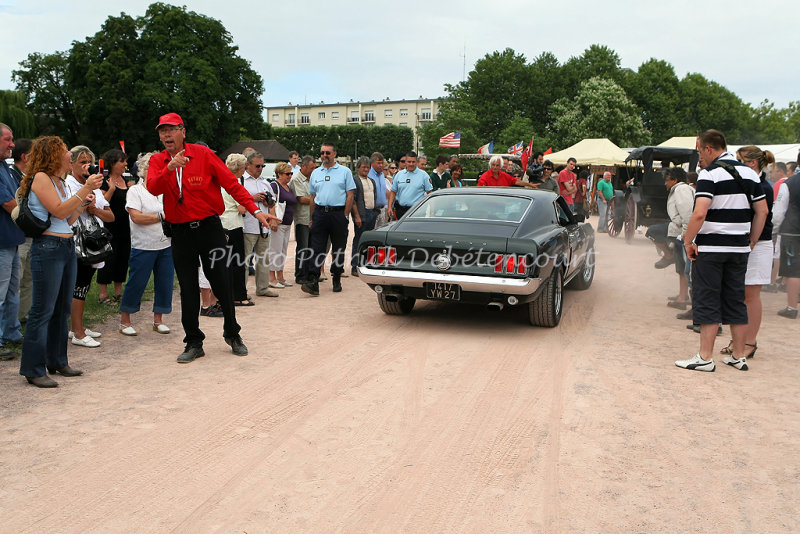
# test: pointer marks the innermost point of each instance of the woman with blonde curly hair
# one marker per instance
(53, 263)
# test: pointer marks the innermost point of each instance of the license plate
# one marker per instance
(442, 291)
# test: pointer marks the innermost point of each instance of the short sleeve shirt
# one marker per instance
(331, 185)
(565, 177)
(10, 234)
(146, 236)
(411, 186)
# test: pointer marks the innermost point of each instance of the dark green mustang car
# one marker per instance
(498, 246)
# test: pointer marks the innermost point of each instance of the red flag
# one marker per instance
(526, 155)
(548, 151)
(122, 145)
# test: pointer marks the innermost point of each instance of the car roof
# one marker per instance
(496, 191)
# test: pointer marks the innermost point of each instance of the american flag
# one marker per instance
(516, 150)
(451, 140)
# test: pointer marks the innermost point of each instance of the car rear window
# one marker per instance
(473, 207)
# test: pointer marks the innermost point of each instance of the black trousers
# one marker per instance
(237, 266)
(303, 252)
(324, 225)
(400, 210)
(191, 246)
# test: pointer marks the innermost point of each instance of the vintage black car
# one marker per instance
(497, 246)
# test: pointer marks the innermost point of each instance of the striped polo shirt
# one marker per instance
(727, 224)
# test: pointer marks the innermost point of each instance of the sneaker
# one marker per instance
(190, 354)
(664, 262)
(87, 341)
(211, 311)
(237, 345)
(740, 364)
(696, 363)
(788, 312)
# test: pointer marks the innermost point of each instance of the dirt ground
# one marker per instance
(452, 419)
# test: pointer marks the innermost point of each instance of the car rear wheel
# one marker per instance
(586, 276)
(546, 310)
(400, 307)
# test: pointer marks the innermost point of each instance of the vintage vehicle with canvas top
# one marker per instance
(498, 246)
(644, 202)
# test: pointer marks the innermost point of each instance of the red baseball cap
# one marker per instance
(172, 119)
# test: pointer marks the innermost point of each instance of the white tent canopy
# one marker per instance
(590, 152)
(786, 152)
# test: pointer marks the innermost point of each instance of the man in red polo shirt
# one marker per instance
(567, 184)
(190, 176)
(495, 177)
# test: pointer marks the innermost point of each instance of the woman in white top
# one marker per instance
(100, 211)
(151, 253)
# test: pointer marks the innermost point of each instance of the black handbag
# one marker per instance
(30, 224)
(92, 242)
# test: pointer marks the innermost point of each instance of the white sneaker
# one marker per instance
(161, 328)
(276, 285)
(740, 364)
(696, 363)
(88, 341)
(90, 333)
(127, 330)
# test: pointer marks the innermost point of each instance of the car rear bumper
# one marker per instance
(468, 283)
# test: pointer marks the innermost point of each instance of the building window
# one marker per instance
(369, 116)
(321, 115)
(276, 117)
(403, 124)
(304, 119)
(354, 116)
(426, 114)
(403, 112)
(334, 115)
(291, 118)
(387, 113)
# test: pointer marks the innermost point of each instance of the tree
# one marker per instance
(600, 109)
(520, 129)
(48, 93)
(114, 85)
(14, 114)
(388, 140)
(655, 90)
(596, 61)
(705, 104)
(451, 118)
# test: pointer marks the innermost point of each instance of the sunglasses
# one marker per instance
(325, 152)
(286, 173)
(393, 167)
(259, 166)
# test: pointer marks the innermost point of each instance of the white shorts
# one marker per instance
(201, 276)
(776, 255)
(759, 264)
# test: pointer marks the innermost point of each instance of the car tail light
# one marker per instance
(381, 256)
(510, 264)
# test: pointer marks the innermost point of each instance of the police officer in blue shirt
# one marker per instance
(408, 186)
(332, 190)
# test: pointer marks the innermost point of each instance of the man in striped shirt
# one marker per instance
(729, 214)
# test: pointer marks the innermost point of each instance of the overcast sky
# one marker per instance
(310, 51)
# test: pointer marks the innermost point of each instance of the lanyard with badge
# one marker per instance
(179, 176)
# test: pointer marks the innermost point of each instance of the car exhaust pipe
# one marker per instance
(392, 297)
(495, 306)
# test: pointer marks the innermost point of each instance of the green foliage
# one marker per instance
(451, 118)
(352, 141)
(14, 114)
(600, 109)
(655, 90)
(115, 84)
(706, 104)
(519, 129)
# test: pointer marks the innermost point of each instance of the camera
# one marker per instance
(536, 171)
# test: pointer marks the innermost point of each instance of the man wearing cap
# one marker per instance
(190, 176)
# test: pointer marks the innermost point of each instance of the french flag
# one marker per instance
(487, 148)
(516, 150)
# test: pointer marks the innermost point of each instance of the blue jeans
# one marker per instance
(367, 223)
(10, 329)
(140, 265)
(53, 269)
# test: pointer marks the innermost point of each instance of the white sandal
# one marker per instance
(127, 330)
(161, 328)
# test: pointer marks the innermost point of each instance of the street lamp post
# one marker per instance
(356, 156)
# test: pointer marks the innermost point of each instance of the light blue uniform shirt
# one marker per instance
(331, 185)
(411, 186)
(380, 187)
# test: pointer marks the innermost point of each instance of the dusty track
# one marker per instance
(452, 419)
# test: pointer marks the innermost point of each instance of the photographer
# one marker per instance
(115, 189)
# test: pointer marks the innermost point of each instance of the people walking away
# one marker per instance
(332, 192)
(728, 217)
(190, 176)
(53, 262)
(151, 254)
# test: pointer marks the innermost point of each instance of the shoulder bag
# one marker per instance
(280, 207)
(30, 224)
(92, 242)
